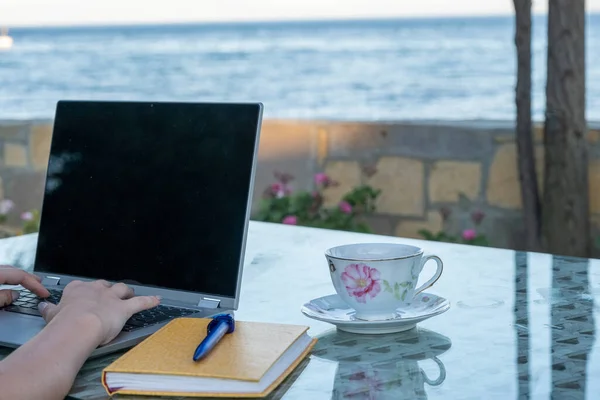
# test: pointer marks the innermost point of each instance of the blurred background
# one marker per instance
(392, 117)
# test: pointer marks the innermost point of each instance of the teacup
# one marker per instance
(376, 279)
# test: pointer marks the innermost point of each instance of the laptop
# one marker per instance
(153, 194)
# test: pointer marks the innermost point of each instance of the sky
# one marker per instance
(86, 12)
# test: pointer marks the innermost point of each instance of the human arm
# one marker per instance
(89, 314)
(45, 367)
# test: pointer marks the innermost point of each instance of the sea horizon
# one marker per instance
(291, 21)
(382, 70)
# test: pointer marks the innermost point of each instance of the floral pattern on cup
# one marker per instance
(399, 290)
(361, 281)
(364, 384)
(415, 271)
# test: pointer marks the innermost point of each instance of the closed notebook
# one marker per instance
(250, 362)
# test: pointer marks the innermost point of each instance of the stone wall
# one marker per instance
(421, 168)
(24, 150)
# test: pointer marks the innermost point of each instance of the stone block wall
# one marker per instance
(462, 167)
(420, 168)
(24, 150)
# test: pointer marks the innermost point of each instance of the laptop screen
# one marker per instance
(149, 193)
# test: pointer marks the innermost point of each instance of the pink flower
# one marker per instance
(27, 216)
(280, 190)
(6, 206)
(290, 220)
(361, 281)
(321, 179)
(469, 234)
(277, 190)
(345, 207)
(365, 384)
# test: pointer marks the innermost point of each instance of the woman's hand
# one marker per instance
(89, 314)
(108, 306)
(15, 276)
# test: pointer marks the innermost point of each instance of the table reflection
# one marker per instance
(386, 366)
(572, 326)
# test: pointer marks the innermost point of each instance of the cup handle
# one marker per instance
(440, 378)
(435, 277)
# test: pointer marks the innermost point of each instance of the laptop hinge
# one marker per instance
(50, 281)
(206, 302)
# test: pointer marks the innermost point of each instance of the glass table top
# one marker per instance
(520, 325)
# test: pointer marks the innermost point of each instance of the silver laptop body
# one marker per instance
(16, 328)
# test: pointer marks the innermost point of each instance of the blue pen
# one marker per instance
(217, 328)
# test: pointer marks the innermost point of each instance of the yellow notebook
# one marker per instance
(249, 362)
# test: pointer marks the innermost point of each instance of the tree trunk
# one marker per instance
(565, 208)
(525, 150)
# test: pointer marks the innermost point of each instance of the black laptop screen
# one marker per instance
(149, 193)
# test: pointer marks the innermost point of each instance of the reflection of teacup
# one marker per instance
(404, 379)
(383, 366)
(376, 279)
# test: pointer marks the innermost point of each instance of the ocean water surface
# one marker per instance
(412, 69)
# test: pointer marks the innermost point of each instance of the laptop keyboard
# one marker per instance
(27, 303)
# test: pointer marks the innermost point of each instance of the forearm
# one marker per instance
(46, 366)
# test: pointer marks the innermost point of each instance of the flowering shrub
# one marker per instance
(6, 206)
(282, 205)
(468, 236)
(30, 220)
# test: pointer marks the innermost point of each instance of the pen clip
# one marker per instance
(217, 319)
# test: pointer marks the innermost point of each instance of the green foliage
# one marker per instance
(437, 237)
(478, 240)
(362, 198)
(597, 242)
(399, 289)
(30, 220)
(281, 205)
(31, 225)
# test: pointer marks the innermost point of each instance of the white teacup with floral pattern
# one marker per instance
(376, 279)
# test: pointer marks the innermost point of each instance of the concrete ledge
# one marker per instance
(421, 167)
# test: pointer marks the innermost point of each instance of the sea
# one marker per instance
(359, 70)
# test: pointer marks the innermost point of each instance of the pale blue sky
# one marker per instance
(52, 12)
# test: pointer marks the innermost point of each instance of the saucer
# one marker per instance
(333, 310)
